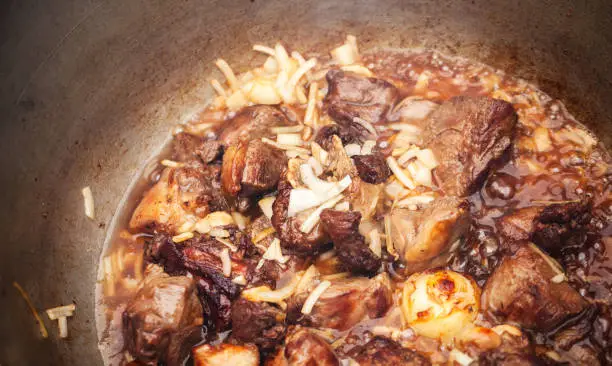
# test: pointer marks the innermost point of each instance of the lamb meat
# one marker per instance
(529, 288)
(252, 123)
(350, 245)
(163, 315)
(251, 168)
(225, 354)
(552, 227)
(381, 351)
(468, 136)
(187, 148)
(426, 238)
(304, 348)
(346, 302)
(351, 96)
(372, 168)
(258, 322)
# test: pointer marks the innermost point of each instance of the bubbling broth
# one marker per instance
(400, 206)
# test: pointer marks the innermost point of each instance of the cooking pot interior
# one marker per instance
(91, 90)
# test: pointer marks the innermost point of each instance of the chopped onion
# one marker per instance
(367, 147)
(410, 154)
(264, 49)
(375, 245)
(264, 92)
(299, 150)
(313, 219)
(219, 218)
(61, 314)
(395, 190)
(427, 157)
(282, 57)
(265, 294)
(296, 55)
(316, 166)
(236, 101)
(311, 181)
(287, 129)
(343, 206)
(226, 262)
(228, 73)
(274, 253)
(558, 278)
(423, 199)
(182, 237)
(88, 202)
(407, 127)
(309, 116)
(542, 139)
(265, 204)
(399, 173)
(203, 226)
(352, 149)
(314, 296)
(218, 88)
(227, 243)
(309, 276)
(240, 220)
(171, 164)
(262, 235)
(301, 199)
(460, 357)
(294, 139)
(344, 55)
(358, 69)
(240, 280)
(270, 66)
(420, 174)
(318, 153)
(187, 226)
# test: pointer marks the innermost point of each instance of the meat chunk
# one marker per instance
(288, 228)
(529, 289)
(225, 354)
(382, 351)
(468, 135)
(372, 168)
(552, 227)
(351, 248)
(304, 348)
(251, 167)
(347, 135)
(351, 96)
(348, 301)
(426, 239)
(187, 148)
(200, 256)
(163, 315)
(252, 123)
(179, 194)
(257, 322)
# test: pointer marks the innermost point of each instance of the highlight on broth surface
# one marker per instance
(387, 207)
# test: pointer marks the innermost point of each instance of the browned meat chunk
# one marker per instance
(382, 352)
(372, 168)
(347, 135)
(497, 358)
(351, 96)
(351, 248)
(304, 348)
(163, 315)
(251, 167)
(179, 193)
(187, 148)
(552, 227)
(426, 239)
(252, 123)
(257, 322)
(225, 354)
(288, 228)
(468, 136)
(348, 301)
(529, 289)
(200, 256)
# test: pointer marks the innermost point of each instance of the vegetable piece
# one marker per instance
(88, 201)
(61, 314)
(314, 296)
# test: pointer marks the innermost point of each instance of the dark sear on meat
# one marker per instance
(466, 232)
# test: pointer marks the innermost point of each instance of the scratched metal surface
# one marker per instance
(90, 89)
